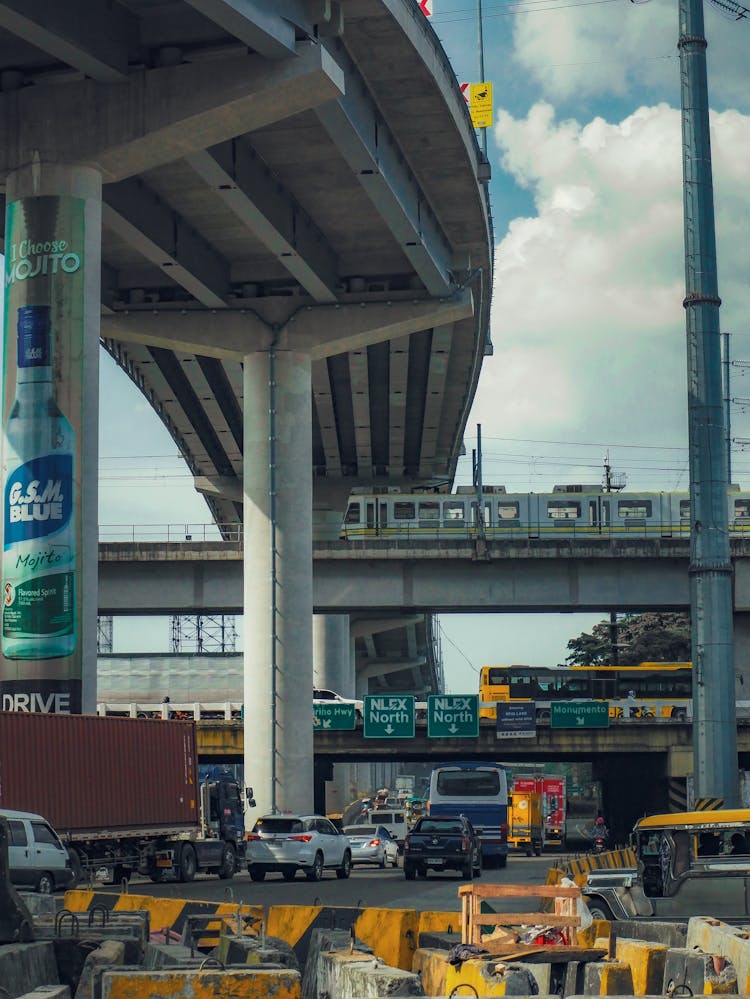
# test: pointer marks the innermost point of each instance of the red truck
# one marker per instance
(123, 794)
(550, 791)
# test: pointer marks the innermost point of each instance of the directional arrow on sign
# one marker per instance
(426, 7)
(389, 729)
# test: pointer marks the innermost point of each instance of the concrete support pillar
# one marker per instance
(333, 668)
(278, 580)
(51, 204)
(332, 664)
(741, 625)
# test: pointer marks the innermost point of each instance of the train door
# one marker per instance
(382, 515)
(665, 515)
(371, 515)
(532, 518)
(487, 515)
(599, 515)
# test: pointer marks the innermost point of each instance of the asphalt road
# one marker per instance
(368, 886)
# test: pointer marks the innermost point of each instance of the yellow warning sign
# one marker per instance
(480, 104)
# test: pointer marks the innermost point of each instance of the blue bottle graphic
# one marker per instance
(39, 541)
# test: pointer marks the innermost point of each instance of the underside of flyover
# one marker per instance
(295, 233)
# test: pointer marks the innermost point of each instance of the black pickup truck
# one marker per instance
(441, 844)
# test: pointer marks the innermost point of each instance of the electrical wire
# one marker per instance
(460, 651)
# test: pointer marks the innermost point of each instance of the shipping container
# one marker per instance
(123, 794)
(83, 772)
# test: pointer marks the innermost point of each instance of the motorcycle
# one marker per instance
(599, 844)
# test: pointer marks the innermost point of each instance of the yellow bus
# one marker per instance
(646, 690)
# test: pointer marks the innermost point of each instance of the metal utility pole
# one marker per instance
(481, 68)
(727, 403)
(714, 708)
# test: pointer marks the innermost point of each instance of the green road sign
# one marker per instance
(334, 717)
(453, 716)
(389, 716)
(579, 714)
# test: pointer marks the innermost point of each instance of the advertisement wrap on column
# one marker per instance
(40, 665)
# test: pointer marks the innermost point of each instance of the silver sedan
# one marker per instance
(372, 845)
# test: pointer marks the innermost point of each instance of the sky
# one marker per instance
(587, 320)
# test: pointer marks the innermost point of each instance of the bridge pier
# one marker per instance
(333, 667)
(633, 786)
(51, 386)
(278, 600)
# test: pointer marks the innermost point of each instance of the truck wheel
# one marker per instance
(467, 871)
(502, 860)
(599, 910)
(120, 874)
(315, 873)
(289, 873)
(188, 863)
(409, 872)
(228, 862)
(156, 874)
(256, 873)
(478, 868)
(76, 866)
(45, 883)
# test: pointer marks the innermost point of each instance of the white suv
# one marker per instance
(288, 843)
(323, 696)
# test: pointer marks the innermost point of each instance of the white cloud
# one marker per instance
(587, 316)
(595, 51)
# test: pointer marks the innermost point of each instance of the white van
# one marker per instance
(37, 859)
(394, 819)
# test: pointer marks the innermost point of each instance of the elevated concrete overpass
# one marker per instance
(288, 241)
(408, 577)
(641, 764)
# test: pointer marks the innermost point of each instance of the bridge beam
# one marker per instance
(321, 331)
(160, 115)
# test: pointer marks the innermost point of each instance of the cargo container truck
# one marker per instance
(553, 810)
(525, 826)
(123, 794)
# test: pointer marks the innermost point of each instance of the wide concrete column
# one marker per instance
(63, 202)
(332, 664)
(278, 580)
(333, 668)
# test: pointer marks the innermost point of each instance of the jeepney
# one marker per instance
(687, 864)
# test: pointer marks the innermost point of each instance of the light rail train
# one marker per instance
(580, 511)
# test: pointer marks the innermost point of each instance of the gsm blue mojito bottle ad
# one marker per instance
(39, 552)
(40, 665)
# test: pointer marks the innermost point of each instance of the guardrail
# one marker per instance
(190, 710)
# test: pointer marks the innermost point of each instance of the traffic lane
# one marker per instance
(371, 887)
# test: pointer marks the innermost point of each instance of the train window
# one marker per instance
(684, 510)
(563, 510)
(507, 511)
(639, 508)
(741, 509)
(429, 511)
(454, 512)
(352, 514)
(403, 511)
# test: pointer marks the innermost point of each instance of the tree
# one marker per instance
(650, 637)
